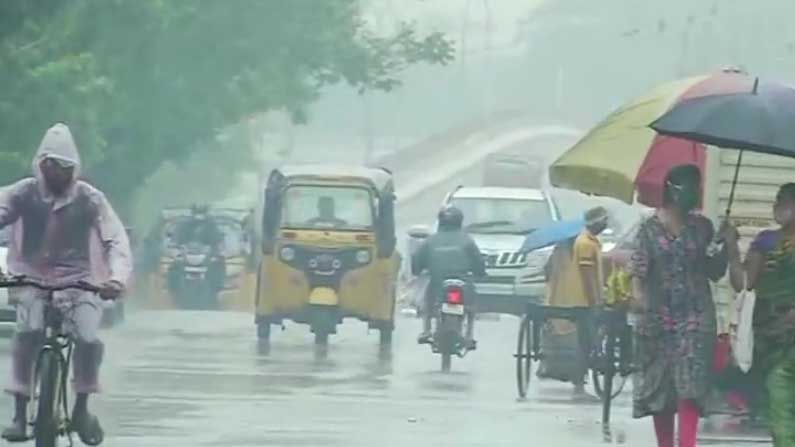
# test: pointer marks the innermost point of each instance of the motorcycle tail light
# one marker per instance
(455, 296)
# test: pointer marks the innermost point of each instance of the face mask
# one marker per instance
(57, 178)
(597, 228)
(685, 198)
(688, 202)
(784, 215)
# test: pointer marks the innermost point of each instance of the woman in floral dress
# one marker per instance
(676, 328)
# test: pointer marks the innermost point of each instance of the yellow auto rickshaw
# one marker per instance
(328, 250)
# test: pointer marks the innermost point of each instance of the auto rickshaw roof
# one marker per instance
(378, 178)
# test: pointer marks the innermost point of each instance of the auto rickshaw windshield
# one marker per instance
(324, 207)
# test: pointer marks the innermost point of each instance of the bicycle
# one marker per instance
(51, 419)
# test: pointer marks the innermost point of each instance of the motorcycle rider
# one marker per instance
(449, 253)
(201, 228)
(69, 232)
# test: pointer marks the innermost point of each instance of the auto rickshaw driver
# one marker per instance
(326, 214)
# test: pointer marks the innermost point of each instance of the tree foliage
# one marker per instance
(143, 81)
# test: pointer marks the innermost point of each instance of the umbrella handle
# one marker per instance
(734, 184)
(718, 240)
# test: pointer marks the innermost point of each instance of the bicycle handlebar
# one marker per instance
(21, 281)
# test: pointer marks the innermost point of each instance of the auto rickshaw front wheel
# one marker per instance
(385, 338)
(323, 321)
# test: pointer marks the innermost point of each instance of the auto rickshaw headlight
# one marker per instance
(287, 254)
(363, 256)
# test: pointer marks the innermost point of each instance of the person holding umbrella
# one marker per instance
(574, 279)
(769, 270)
(676, 327)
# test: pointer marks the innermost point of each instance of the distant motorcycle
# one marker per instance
(192, 282)
(449, 337)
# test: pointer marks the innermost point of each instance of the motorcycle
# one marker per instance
(191, 277)
(449, 336)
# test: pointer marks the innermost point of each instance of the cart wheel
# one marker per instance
(524, 356)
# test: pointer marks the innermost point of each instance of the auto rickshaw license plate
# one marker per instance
(452, 309)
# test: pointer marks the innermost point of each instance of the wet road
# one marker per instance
(197, 379)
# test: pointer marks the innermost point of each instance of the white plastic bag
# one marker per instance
(742, 330)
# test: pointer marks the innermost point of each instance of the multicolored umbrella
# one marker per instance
(622, 156)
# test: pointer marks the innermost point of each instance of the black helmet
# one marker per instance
(450, 218)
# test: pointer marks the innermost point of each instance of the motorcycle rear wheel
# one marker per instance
(447, 362)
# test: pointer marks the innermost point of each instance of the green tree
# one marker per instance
(146, 81)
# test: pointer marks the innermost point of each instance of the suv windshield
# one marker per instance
(324, 207)
(494, 215)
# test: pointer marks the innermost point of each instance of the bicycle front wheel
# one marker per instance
(48, 372)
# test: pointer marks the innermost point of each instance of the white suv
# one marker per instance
(499, 219)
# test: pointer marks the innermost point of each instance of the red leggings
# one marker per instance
(688, 425)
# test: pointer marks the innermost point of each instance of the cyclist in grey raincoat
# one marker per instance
(449, 253)
(68, 232)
